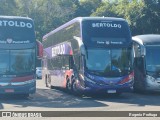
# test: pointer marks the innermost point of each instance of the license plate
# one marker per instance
(111, 91)
(9, 90)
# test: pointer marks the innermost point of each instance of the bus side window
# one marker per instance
(71, 62)
(65, 61)
(56, 63)
(60, 63)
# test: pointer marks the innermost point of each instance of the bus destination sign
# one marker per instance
(106, 25)
(11, 23)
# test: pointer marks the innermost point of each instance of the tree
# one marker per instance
(143, 16)
(106, 9)
(132, 11)
(47, 14)
(8, 7)
(87, 7)
(151, 17)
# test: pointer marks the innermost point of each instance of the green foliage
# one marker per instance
(151, 16)
(106, 9)
(7, 7)
(143, 16)
(87, 7)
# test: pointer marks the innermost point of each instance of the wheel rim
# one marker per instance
(46, 82)
(68, 85)
(74, 88)
(49, 82)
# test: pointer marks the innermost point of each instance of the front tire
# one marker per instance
(68, 85)
(74, 89)
(48, 82)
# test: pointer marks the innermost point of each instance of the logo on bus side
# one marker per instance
(103, 25)
(15, 24)
(58, 50)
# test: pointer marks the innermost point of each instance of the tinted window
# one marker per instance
(62, 35)
(58, 63)
(153, 58)
(4, 61)
(22, 61)
(17, 61)
(110, 63)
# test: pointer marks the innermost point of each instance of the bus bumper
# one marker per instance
(95, 88)
(18, 87)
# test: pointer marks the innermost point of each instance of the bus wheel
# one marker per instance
(68, 85)
(48, 82)
(74, 88)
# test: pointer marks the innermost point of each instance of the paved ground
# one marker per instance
(57, 100)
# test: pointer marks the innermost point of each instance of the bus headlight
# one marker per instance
(89, 80)
(150, 78)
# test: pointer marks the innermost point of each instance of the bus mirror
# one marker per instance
(39, 49)
(82, 49)
(143, 51)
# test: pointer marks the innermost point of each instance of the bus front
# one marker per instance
(146, 63)
(17, 51)
(107, 56)
(152, 67)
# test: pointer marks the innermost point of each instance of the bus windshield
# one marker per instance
(152, 58)
(17, 61)
(109, 62)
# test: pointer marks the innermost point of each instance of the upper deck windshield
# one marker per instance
(17, 61)
(109, 62)
(19, 30)
(153, 58)
(105, 32)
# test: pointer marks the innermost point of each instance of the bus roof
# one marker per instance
(14, 17)
(147, 38)
(79, 19)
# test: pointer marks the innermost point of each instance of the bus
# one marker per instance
(18, 48)
(146, 62)
(89, 55)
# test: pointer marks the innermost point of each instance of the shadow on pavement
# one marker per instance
(56, 98)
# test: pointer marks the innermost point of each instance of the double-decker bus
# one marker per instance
(146, 62)
(89, 55)
(17, 55)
